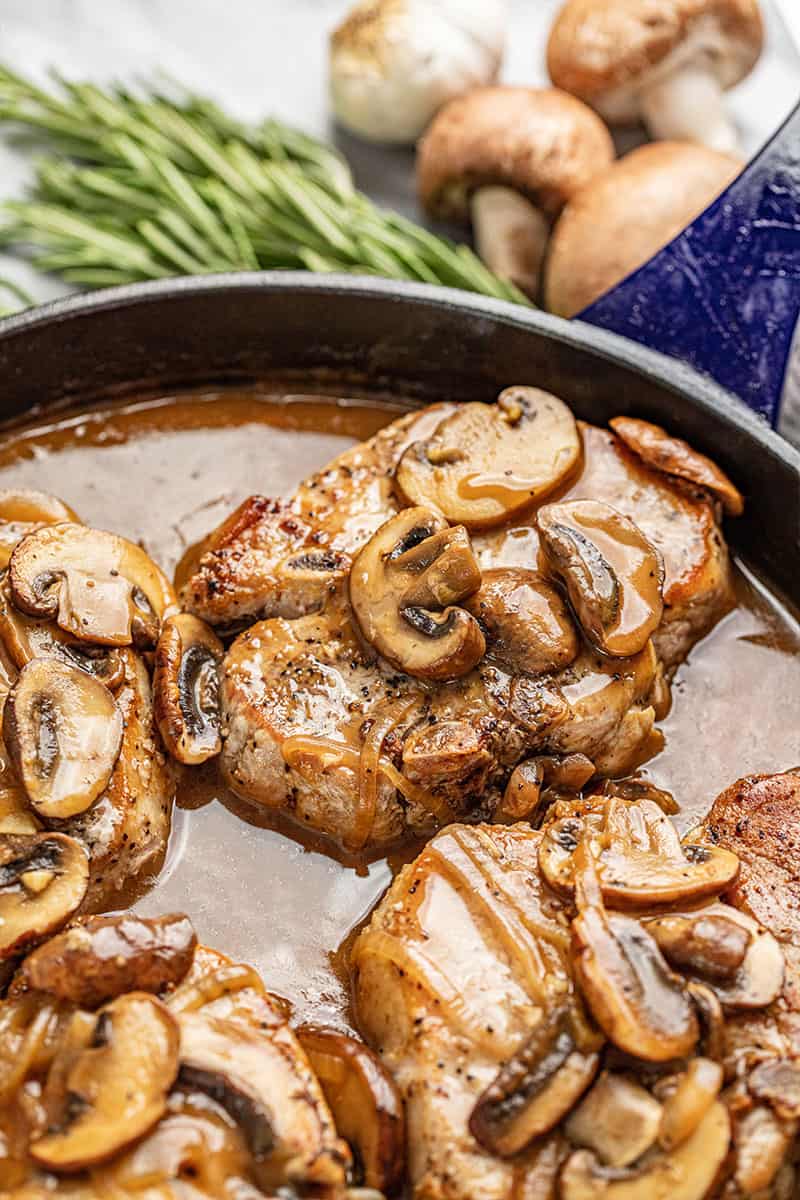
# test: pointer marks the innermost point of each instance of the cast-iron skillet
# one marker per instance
(432, 343)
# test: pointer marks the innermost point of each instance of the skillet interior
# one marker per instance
(383, 336)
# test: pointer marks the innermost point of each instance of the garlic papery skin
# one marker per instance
(394, 63)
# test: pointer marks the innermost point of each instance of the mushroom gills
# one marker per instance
(104, 957)
(186, 689)
(63, 732)
(43, 880)
(614, 576)
(640, 860)
(487, 463)
(405, 586)
(535, 1089)
(640, 1005)
(117, 1087)
(26, 638)
(97, 586)
(365, 1103)
(235, 1068)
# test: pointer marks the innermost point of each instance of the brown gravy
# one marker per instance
(166, 472)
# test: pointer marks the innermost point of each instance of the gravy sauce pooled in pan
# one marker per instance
(165, 473)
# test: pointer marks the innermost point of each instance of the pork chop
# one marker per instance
(470, 950)
(302, 693)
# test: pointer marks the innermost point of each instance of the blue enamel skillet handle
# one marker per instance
(724, 296)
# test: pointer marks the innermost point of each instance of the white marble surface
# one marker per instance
(268, 56)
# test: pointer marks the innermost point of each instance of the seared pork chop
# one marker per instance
(303, 695)
(470, 951)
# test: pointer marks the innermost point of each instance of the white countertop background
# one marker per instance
(261, 57)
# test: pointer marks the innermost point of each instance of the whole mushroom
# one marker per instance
(508, 159)
(625, 215)
(394, 63)
(666, 62)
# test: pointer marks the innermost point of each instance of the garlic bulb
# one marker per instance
(394, 63)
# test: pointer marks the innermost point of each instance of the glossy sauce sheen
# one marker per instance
(167, 472)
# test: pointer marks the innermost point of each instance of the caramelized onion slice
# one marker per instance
(487, 463)
(24, 509)
(63, 732)
(364, 1100)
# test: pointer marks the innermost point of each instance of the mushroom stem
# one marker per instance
(688, 105)
(510, 235)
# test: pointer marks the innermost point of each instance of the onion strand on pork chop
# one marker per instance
(475, 646)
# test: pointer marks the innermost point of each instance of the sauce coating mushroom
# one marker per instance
(186, 701)
(487, 463)
(43, 880)
(613, 574)
(405, 586)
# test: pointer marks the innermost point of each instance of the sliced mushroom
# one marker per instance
(720, 945)
(405, 585)
(689, 1101)
(487, 463)
(617, 1119)
(15, 812)
(686, 1173)
(640, 1005)
(235, 1066)
(525, 621)
(186, 701)
(671, 455)
(535, 1089)
(707, 944)
(365, 1103)
(640, 861)
(636, 788)
(761, 1144)
(117, 1088)
(97, 586)
(26, 638)
(43, 880)
(22, 510)
(63, 733)
(711, 1017)
(614, 576)
(106, 956)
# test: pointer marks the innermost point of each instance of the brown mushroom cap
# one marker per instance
(106, 956)
(542, 143)
(405, 587)
(626, 214)
(525, 620)
(597, 47)
(364, 1100)
(673, 456)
